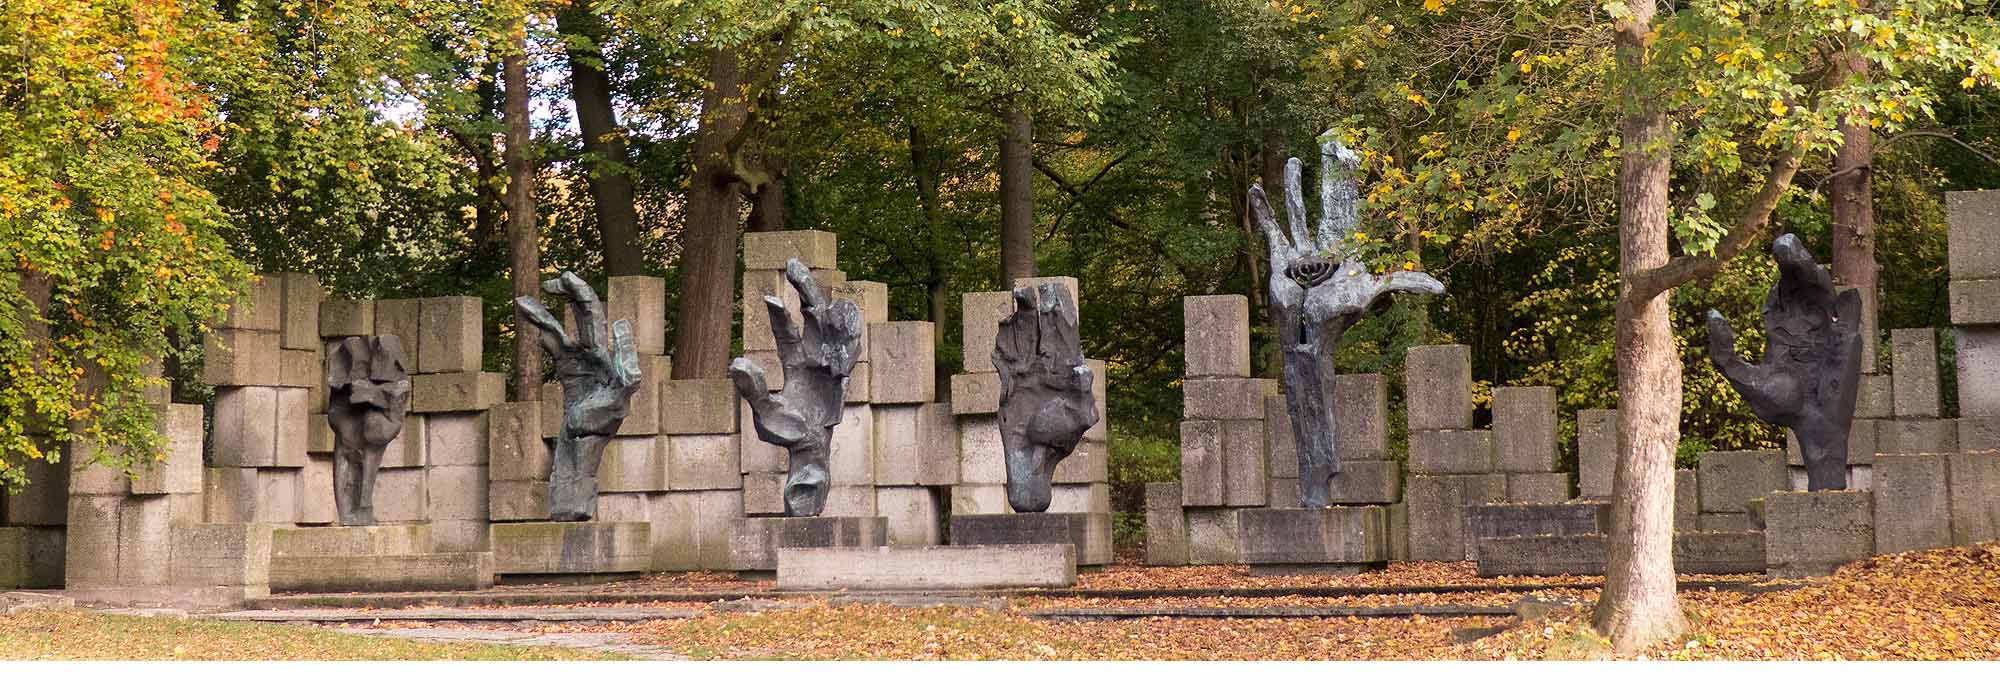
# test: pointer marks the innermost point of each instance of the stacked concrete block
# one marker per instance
(518, 463)
(1973, 234)
(458, 475)
(1974, 482)
(1166, 525)
(1597, 451)
(118, 532)
(1811, 533)
(1912, 503)
(1439, 506)
(1729, 481)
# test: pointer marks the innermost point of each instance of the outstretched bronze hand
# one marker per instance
(818, 359)
(599, 373)
(1045, 392)
(1318, 291)
(1812, 361)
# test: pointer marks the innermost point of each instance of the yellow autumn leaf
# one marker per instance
(1513, 134)
(1778, 108)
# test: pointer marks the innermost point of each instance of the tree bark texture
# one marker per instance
(1853, 195)
(524, 244)
(927, 168)
(710, 233)
(1017, 198)
(610, 183)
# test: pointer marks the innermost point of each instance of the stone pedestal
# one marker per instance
(1811, 533)
(1294, 541)
(1089, 533)
(754, 543)
(571, 548)
(927, 568)
(374, 558)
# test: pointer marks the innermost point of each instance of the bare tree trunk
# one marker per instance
(1638, 607)
(1017, 198)
(610, 185)
(927, 165)
(709, 236)
(1854, 209)
(524, 245)
(767, 205)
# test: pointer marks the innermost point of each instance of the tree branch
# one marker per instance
(1076, 193)
(1749, 227)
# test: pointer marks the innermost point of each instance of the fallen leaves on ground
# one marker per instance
(77, 634)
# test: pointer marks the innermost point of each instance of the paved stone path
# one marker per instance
(608, 642)
(337, 615)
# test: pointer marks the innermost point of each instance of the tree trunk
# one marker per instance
(709, 236)
(767, 205)
(1017, 198)
(610, 183)
(1854, 211)
(927, 166)
(1638, 607)
(524, 246)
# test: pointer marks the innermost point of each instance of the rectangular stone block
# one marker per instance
(570, 548)
(1870, 327)
(407, 449)
(180, 472)
(1212, 535)
(453, 335)
(1597, 451)
(1089, 463)
(44, 500)
(246, 427)
(927, 568)
(1973, 234)
(1451, 452)
(552, 410)
(1975, 302)
(1281, 449)
(277, 496)
(642, 414)
(240, 357)
(1730, 479)
(1548, 487)
(642, 301)
(259, 308)
(912, 514)
(1166, 525)
(217, 554)
(851, 456)
(703, 462)
(692, 529)
(1100, 382)
(1980, 434)
(1399, 532)
(1916, 436)
(292, 431)
(462, 536)
(1244, 474)
(901, 441)
(1226, 398)
(91, 546)
(975, 394)
(1978, 351)
(1438, 509)
(144, 540)
(1687, 500)
(982, 458)
(1217, 330)
(517, 500)
(769, 250)
(1811, 533)
(31, 557)
(1364, 482)
(456, 493)
(1975, 497)
(300, 369)
(1284, 493)
(759, 284)
(1439, 387)
(365, 541)
(632, 464)
(754, 455)
(1524, 428)
(1080, 498)
(1912, 503)
(1875, 396)
(229, 495)
(698, 407)
(515, 450)
(1914, 352)
(340, 318)
(1091, 540)
(850, 501)
(1361, 416)
(456, 439)
(1485, 522)
(449, 571)
(402, 318)
(401, 495)
(763, 494)
(1719, 553)
(457, 391)
(979, 498)
(754, 542)
(1337, 535)
(625, 507)
(902, 360)
(1558, 555)
(1724, 522)
(982, 312)
(299, 324)
(315, 498)
(1203, 474)
(319, 434)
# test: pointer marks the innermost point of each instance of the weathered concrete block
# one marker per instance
(1083, 531)
(769, 250)
(1912, 503)
(1724, 522)
(1089, 463)
(902, 357)
(927, 568)
(753, 455)
(912, 514)
(294, 410)
(701, 462)
(461, 535)
(641, 300)
(319, 434)
(1974, 480)
(632, 507)
(452, 571)
(1212, 535)
(1524, 428)
(1597, 451)
(1729, 480)
(1337, 535)
(1915, 386)
(1166, 525)
(299, 323)
(366, 541)
(1244, 475)
(1399, 532)
(642, 415)
(456, 439)
(1978, 350)
(315, 498)
(453, 335)
(1687, 500)
(754, 542)
(982, 458)
(44, 501)
(1439, 384)
(401, 318)
(1916, 436)
(229, 495)
(340, 318)
(300, 369)
(1544, 555)
(1547, 487)
(1364, 482)
(1975, 302)
(850, 501)
(1203, 475)
(871, 298)
(979, 498)
(1485, 522)
(214, 554)
(982, 312)
(570, 548)
(1284, 493)
(1973, 234)
(91, 546)
(144, 540)
(632, 464)
(456, 493)
(1438, 508)
(552, 410)
(758, 284)
(259, 308)
(515, 451)
(31, 557)
(1080, 498)
(698, 407)
(975, 394)
(401, 495)
(692, 529)
(240, 357)
(1100, 382)
(246, 427)
(180, 472)
(1361, 416)
(763, 494)
(1281, 449)
(457, 391)
(1875, 396)
(1451, 452)
(517, 500)
(1811, 533)
(407, 449)
(1719, 553)
(900, 444)
(277, 496)
(1226, 398)
(851, 456)
(1217, 331)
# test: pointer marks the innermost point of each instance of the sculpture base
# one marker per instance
(754, 543)
(371, 558)
(1345, 535)
(592, 547)
(1089, 533)
(1313, 569)
(927, 568)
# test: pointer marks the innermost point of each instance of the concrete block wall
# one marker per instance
(1455, 465)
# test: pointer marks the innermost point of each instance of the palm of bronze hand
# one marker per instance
(818, 356)
(1045, 392)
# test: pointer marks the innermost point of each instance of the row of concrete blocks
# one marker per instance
(1570, 539)
(1973, 234)
(1237, 447)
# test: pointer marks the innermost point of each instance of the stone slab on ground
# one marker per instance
(1975, 497)
(1719, 553)
(1534, 520)
(928, 568)
(754, 542)
(571, 548)
(1166, 525)
(1912, 503)
(1585, 555)
(455, 571)
(1088, 533)
(372, 540)
(1811, 533)
(1337, 535)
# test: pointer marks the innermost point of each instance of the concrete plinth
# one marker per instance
(455, 571)
(1811, 533)
(570, 548)
(1313, 536)
(928, 568)
(1089, 533)
(754, 543)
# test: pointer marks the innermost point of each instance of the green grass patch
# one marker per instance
(76, 634)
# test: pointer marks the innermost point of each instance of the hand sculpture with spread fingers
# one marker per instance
(1812, 361)
(818, 356)
(1319, 290)
(1045, 392)
(599, 372)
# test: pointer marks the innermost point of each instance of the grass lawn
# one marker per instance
(76, 634)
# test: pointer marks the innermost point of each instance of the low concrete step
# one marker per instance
(454, 571)
(927, 568)
(338, 615)
(1585, 555)
(1086, 614)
